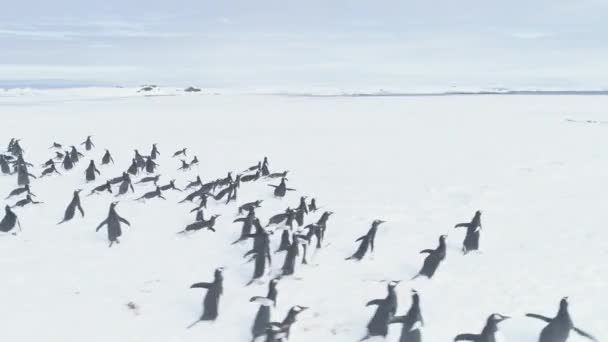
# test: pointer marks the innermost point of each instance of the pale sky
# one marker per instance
(289, 44)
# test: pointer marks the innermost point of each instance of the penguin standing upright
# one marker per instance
(367, 241)
(558, 329)
(154, 153)
(385, 311)
(49, 170)
(125, 185)
(9, 220)
(107, 158)
(312, 207)
(260, 253)
(262, 317)
(113, 222)
(90, 171)
(250, 205)
(198, 225)
(279, 332)
(434, 258)
(211, 302)
(248, 222)
(75, 155)
(27, 200)
(139, 160)
(264, 169)
(133, 168)
(471, 240)
(301, 211)
(71, 209)
(289, 265)
(4, 165)
(67, 163)
(88, 144)
(490, 331)
(23, 175)
(411, 321)
(150, 165)
(281, 189)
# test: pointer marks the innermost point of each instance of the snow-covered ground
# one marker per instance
(422, 164)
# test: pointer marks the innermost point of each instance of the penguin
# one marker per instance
(152, 194)
(289, 264)
(471, 240)
(558, 329)
(71, 209)
(200, 215)
(48, 163)
(312, 207)
(202, 193)
(281, 189)
(60, 156)
(27, 200)
(23, 175)
(196, 182)
(154, 153)
(125, 185)
(433, 259)
(19, 191)
(265, 171)
(256, 167)
(118, 179)
(194, 161)
(180, 153)
(133, 169)
(367, 241)
(113, 222)
(67, 163)
(49, 170)
(301, 210)
(139, 160)
(198, 225)
(321, 227)
(104, 187)
(75, 155)
(260, 254)
(185, 166)
(250, 205)
(411, 321)
(4, 167)
(251, 178)
(385, 311)
(278, 174)
(170, 186)
(489, 333)
(150, 165)
(211, 302)
(88, 144)
(262, 317)
(56, 145)
(279, 218)
(21, 161)
(278, 332)
(15, 148)
(153, 179)
(9, 220)
(248, 222)
(107, 158)
(90, 171)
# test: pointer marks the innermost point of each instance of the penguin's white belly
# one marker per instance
(499, 337)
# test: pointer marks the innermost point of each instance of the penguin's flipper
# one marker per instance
(361, 238)
(262, 300)
(274, 186)
(200, 286)
(584, 334)
(427, 251)
(542, 318)
(460, 225)
(397, 319)
(466, 337)
(242, 219)
(101, 225)
(375, 302)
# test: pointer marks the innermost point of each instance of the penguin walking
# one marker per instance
(211, 302)
(150, 165)
(152, 194)
(281, 189)
(27, 200)
(170, 186)
(293, 251)
(154, 153)
(9, 220)
(49, 170)
(367, 241)
(4, 167)
(194, 161)
(181, 152)
(262, 317)
(312, 207)
(489, 333)
(279, 332)
(250, 205)
(260, 253)
(321, 227)
(23, 175)
(19, 191)
(471, 240)
(558, 329)
(198, 225)
(248, 223)
(48, 163)
(385, 311)
(67, 163)
(71, 209)
(107, 158)
(125, 185)
(301, 211)
(88, 144)
(153, 179)
(412, 321)
(133, 168)
(433, 259)
(139, 160)
(91, 171)
(75, 155)
(101, 188)
(113, 222)
(265, 170)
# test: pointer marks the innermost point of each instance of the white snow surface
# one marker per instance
(422, 164)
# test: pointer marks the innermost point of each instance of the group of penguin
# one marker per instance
(295, 239)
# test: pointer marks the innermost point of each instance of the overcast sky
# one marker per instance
(283, 43)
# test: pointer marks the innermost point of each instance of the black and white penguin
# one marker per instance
(197, 182)
(113, 222)
(263, 316)
(558, 329)
(278, 174)
(412, 321)
(23, 175)
(9, 220)
(385, 311)
(185, 166)
(90, 171)
(489, 333)
(101, 188)
(367, 241)
(281, 189)
(471, 240)
(139, 160)
(19, 191)
(107, 158)
(75, 155)
(150, 165)
(280, 331)
(194, 161)
(170, 186)
(133, 168)
(27, 200)
(198, 225)
(4, 166)
(293, 251)
(56, 145)
(211, 302)
(88, 144)
(67, 163)
(251, 178)
(153, 179)
(433, 259)
(154, 153)
(152, 194)
(250, 205)
(181, 152)
(301, 211)
(312, 207)
(260, 253)
(125, 185)
(71, 209)
(248, 223)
